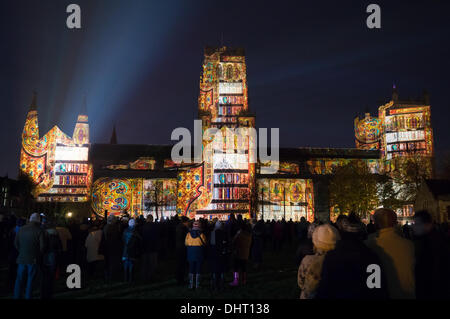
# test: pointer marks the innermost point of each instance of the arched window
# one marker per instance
(219, 71)
(229, 72)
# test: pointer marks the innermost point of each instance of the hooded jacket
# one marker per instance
(195, 242)
(30, 243)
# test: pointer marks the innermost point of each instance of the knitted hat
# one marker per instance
(350, 227)
(131, 223)
(196, 225)
(325, 237)
(35, 218)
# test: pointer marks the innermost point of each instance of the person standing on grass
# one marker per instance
(218, 250)
(324, 238)
(195, 243)
(258, 243)
(150, 243)
(181, 231)
(13, 253)
(132, 247)
(241, 244)
(432, 258)
(66, 237)
(92, 245)
(395, 253)
(30, 243)
(53, 249)
(344, 269)
(112, 247)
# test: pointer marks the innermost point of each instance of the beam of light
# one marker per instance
(118, 45)
(123, 41)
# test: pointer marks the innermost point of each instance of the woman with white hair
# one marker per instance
(324, 239)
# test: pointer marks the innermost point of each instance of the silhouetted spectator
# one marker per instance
(180, 250)
(258, 243)
(53, 249)
(241, 249)
(344, 270)
(92, 244)
(132, 249)
(218, 255)
(150, 245)
(30, 243)
(432, 259)
(395, 253)
(112, 248)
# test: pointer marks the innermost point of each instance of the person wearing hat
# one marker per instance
(132, 249)
(30, 244)
(396, 254)
(195, 244)
(324, 238)
(345, 268)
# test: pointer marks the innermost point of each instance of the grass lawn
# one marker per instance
(277, 278)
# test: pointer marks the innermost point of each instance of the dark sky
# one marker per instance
(312, 65)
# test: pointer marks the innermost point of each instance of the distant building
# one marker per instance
(9, 195)
(434, 196)
(402, 132)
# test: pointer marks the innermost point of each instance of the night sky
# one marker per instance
(312, 65)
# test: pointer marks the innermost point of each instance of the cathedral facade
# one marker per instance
(144, 179)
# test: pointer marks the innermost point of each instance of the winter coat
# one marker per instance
(92, 245)
(53, 248)
(432, 266)
(258, 242)
(397, 258)
(308, 275)
(344, 272)
(131, 240)
(112, 241)
(30, 243)
(195, 243)
(242, 243)
(150, 237)
(218, 252)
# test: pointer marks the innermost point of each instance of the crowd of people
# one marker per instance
(123, 248)
(332, 258)
(411, 262)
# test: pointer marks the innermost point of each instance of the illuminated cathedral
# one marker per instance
(56, 163)
(401, 131)
(143, 179)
